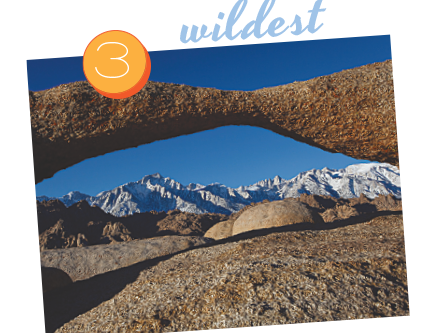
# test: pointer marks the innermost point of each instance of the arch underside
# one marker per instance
(351, 112)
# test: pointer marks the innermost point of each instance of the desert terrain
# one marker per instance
(325, 259)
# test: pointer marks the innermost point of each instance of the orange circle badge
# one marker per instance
(116, 64)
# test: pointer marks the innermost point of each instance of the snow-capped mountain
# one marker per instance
(154, 192)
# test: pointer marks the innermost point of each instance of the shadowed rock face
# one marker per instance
(54, 278)
(350, 112)
(83, 263)
(81, 225)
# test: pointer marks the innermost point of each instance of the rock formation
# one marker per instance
(259, 215)
(220, 230)
(339, 212)
(317, 272)
(54, 278)
(275, 214)
(350, 112)
(83, 263)
(357, 271)
(347, 271)
(81, 225)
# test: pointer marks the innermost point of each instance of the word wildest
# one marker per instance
(275, 28)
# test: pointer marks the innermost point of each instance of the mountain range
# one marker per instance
(158, 193)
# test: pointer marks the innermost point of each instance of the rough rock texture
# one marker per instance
(64, 235)
(81, 225)
(275, 214)
(83, 263)
(350, 112)
(346, 208)
(220, 230)
(223, 229)
(356, 271)
(339, 212)
(182, 223)
(330, 209)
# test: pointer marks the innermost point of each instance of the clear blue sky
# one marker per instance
(232, 155)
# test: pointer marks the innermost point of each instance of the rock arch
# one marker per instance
(350, 112)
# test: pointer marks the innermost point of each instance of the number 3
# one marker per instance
(120, 58)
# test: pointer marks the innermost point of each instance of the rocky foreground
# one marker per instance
(335, 259)
(261, 278)
(83, 225)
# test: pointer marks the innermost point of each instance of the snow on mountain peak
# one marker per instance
(154, 192)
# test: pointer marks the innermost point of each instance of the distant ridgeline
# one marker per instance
(154, 192)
